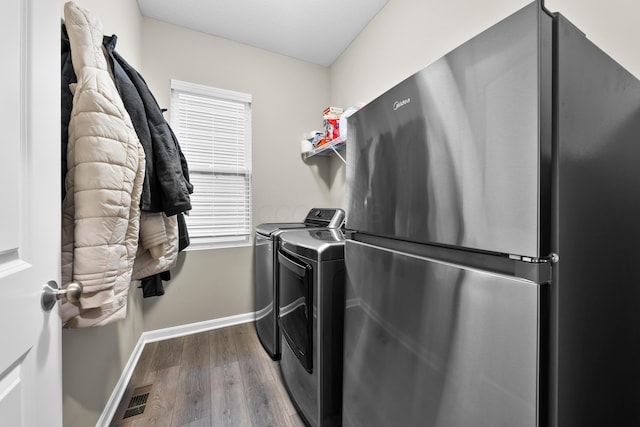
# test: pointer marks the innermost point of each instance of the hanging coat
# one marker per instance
(105, 163)
(167, 187)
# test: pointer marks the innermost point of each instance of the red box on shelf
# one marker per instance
(332, 127)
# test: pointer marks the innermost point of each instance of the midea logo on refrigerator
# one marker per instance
(402, 103)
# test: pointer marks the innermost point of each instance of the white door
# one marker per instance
(30, 338)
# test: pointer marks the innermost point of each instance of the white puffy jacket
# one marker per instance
(158, 244)
(100, 220)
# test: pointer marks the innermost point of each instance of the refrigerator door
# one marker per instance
(429, 343)
(459, 153)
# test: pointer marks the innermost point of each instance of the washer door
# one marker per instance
(295, 318)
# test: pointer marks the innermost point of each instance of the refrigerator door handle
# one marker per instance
(552, 258)
(538, 270)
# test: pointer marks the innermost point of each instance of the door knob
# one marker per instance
(51, 293)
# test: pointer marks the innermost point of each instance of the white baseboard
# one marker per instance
(158, 335)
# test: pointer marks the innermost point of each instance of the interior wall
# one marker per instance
(288, 97)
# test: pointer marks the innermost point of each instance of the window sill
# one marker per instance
(221, 245)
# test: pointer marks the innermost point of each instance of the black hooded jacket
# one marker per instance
(166, 186)
(68, 78)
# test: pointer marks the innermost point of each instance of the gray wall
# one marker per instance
(288, 96)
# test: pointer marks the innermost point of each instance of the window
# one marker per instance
(213, 127)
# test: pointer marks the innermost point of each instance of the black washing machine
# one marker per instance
(266, 245)
(312, 299)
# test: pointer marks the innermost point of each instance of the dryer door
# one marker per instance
(295, 318)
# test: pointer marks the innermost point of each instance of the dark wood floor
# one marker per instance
(221, 377)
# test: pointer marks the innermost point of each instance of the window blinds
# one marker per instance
(214, 130)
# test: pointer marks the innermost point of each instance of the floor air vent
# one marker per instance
(137, 403)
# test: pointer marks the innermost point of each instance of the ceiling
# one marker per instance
(316, 31)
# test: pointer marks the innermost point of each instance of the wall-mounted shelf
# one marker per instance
(327, 149)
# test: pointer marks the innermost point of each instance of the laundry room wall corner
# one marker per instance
(288, 97)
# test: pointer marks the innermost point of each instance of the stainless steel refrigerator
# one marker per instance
(493, 210)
